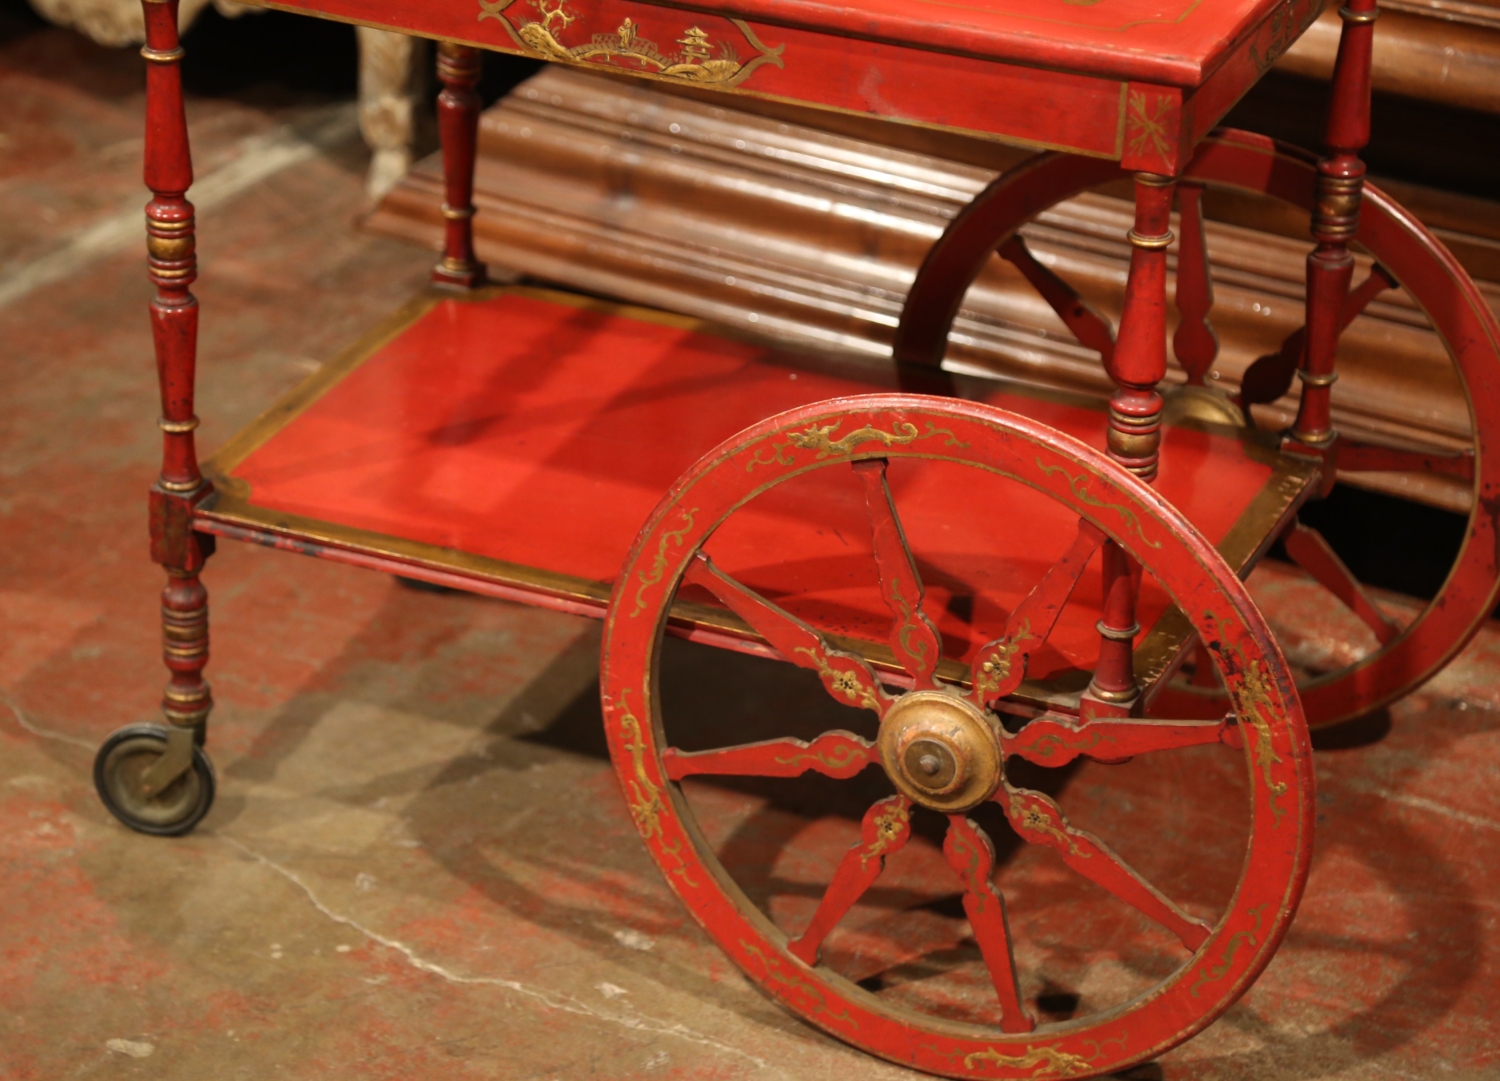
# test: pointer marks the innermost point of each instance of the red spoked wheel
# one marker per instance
(948, 753)
(1400, 656)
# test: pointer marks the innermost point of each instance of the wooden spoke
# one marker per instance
(886, 829)
(1038, 820)
(847, 678)
(1271, 376)
(1090, 328)
(1352, 456)
(1312, 553)
(913, 636)
(1195, 344)
(971, 854)
(834, 754)
(1055, 740)
(1001, 665)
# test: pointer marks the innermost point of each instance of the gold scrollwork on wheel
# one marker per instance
(644, 797)
(842, 682)
(995, 671)
(845, 754)
(1080, 492)
(1032, 817)
(1044, 1061)
(779, 972)
(779, 455)
(1051, 743)
(649, 578)
(909, 633)
(969, 852)
(1256, 700)
(700, 59)
(1240, 938)
(890, 824)
(820, 440)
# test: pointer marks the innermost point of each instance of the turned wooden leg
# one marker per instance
(173, 267)
(1335, 221)
(1140, 360)
(158, 780)
(1140, 363)
(172, 263)
(458, 126)
(1113, 685)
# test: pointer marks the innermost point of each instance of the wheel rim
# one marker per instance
(1420, 264)
(123, 769)
(1223, 960)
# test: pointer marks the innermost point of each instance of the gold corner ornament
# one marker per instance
(700, 59)
(1146, 125)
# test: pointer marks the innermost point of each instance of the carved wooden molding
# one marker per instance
(1473, 12)
(1435, 50)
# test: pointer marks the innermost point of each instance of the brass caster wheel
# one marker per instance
(124, 778)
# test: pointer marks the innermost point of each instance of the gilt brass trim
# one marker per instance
(1151, 243)
(1122, 634)
(1294, 479)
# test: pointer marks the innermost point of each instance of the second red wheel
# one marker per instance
(1400, 655)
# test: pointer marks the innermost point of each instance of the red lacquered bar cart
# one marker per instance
(1062, 579)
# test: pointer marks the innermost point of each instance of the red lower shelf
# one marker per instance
(515, 441)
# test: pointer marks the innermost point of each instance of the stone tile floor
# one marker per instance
(419, 864)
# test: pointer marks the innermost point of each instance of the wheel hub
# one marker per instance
(940, 751)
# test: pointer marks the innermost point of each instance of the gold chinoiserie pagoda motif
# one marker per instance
(700, 60)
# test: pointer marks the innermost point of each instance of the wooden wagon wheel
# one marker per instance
(1405, 254)
(944, 748)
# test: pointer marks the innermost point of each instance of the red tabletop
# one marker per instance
(1137, 81)
(1177, 42)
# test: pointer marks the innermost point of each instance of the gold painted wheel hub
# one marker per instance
(940, 751)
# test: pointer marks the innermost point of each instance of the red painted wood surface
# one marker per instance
(542, 433)
(1175, 42)
(1115, 78)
